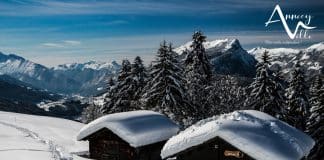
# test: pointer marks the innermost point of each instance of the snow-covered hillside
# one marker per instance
(27, 137)
(226, 56)
(311, 58)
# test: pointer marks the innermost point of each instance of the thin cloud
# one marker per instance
(72, 42)
(116, 22)
(63, 44)
(53, 45)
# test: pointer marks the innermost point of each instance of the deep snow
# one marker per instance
(28, 137)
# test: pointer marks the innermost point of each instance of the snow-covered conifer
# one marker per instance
(197, 60)
(266, 91)
(298, 104)
(165, 91)
(90, 113)
(315, 123)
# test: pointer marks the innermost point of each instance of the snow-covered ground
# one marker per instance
(28, 137)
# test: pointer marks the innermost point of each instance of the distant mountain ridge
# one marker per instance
(77, 78)
(36, 74)
(311, 58)
(92, 75)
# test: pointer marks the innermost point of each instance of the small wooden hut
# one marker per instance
(136, 135)
(240, 135)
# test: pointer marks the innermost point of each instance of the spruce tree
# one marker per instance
(266, 91)
(298, 105)
(117, 98)
(139, 76)
(315, 123)
(197, 59)
(165, 91)
(110, 84)
(198, 76)
(90, 113)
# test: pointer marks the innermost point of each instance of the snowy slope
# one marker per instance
(311, 58)
(15, 145)
(226, 56)
(257, 134)
(27, 137)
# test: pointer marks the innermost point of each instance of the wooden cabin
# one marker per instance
(136, 135)
(215, 149)
(240, 135)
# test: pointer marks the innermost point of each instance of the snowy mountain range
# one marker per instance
(227, 57)
(311, 58)
(91, 75)
(75, 78)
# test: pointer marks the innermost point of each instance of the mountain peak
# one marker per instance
(235, 43)
(5, 57)
(316, 47)
(223, 44)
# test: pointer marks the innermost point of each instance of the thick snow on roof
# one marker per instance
(138, 128)
(257, 134)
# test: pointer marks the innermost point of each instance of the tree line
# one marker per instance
(187, 90)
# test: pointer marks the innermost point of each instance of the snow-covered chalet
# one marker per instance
(240, 135)
(135, 135)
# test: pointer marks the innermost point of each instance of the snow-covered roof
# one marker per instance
(138, 128)
(255, 133)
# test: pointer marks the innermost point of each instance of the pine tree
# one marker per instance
(315, 123)
(117, 99)
(139, 75)
(266, 92)
(198, 76)
(90, 113)
(197, 60)
(298, 105)
(165, 90)
(125, 70)
(110, 84)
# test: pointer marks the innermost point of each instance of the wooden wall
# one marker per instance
(105, 145)
(215, 149)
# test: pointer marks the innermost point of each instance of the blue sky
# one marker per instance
(53, 32)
